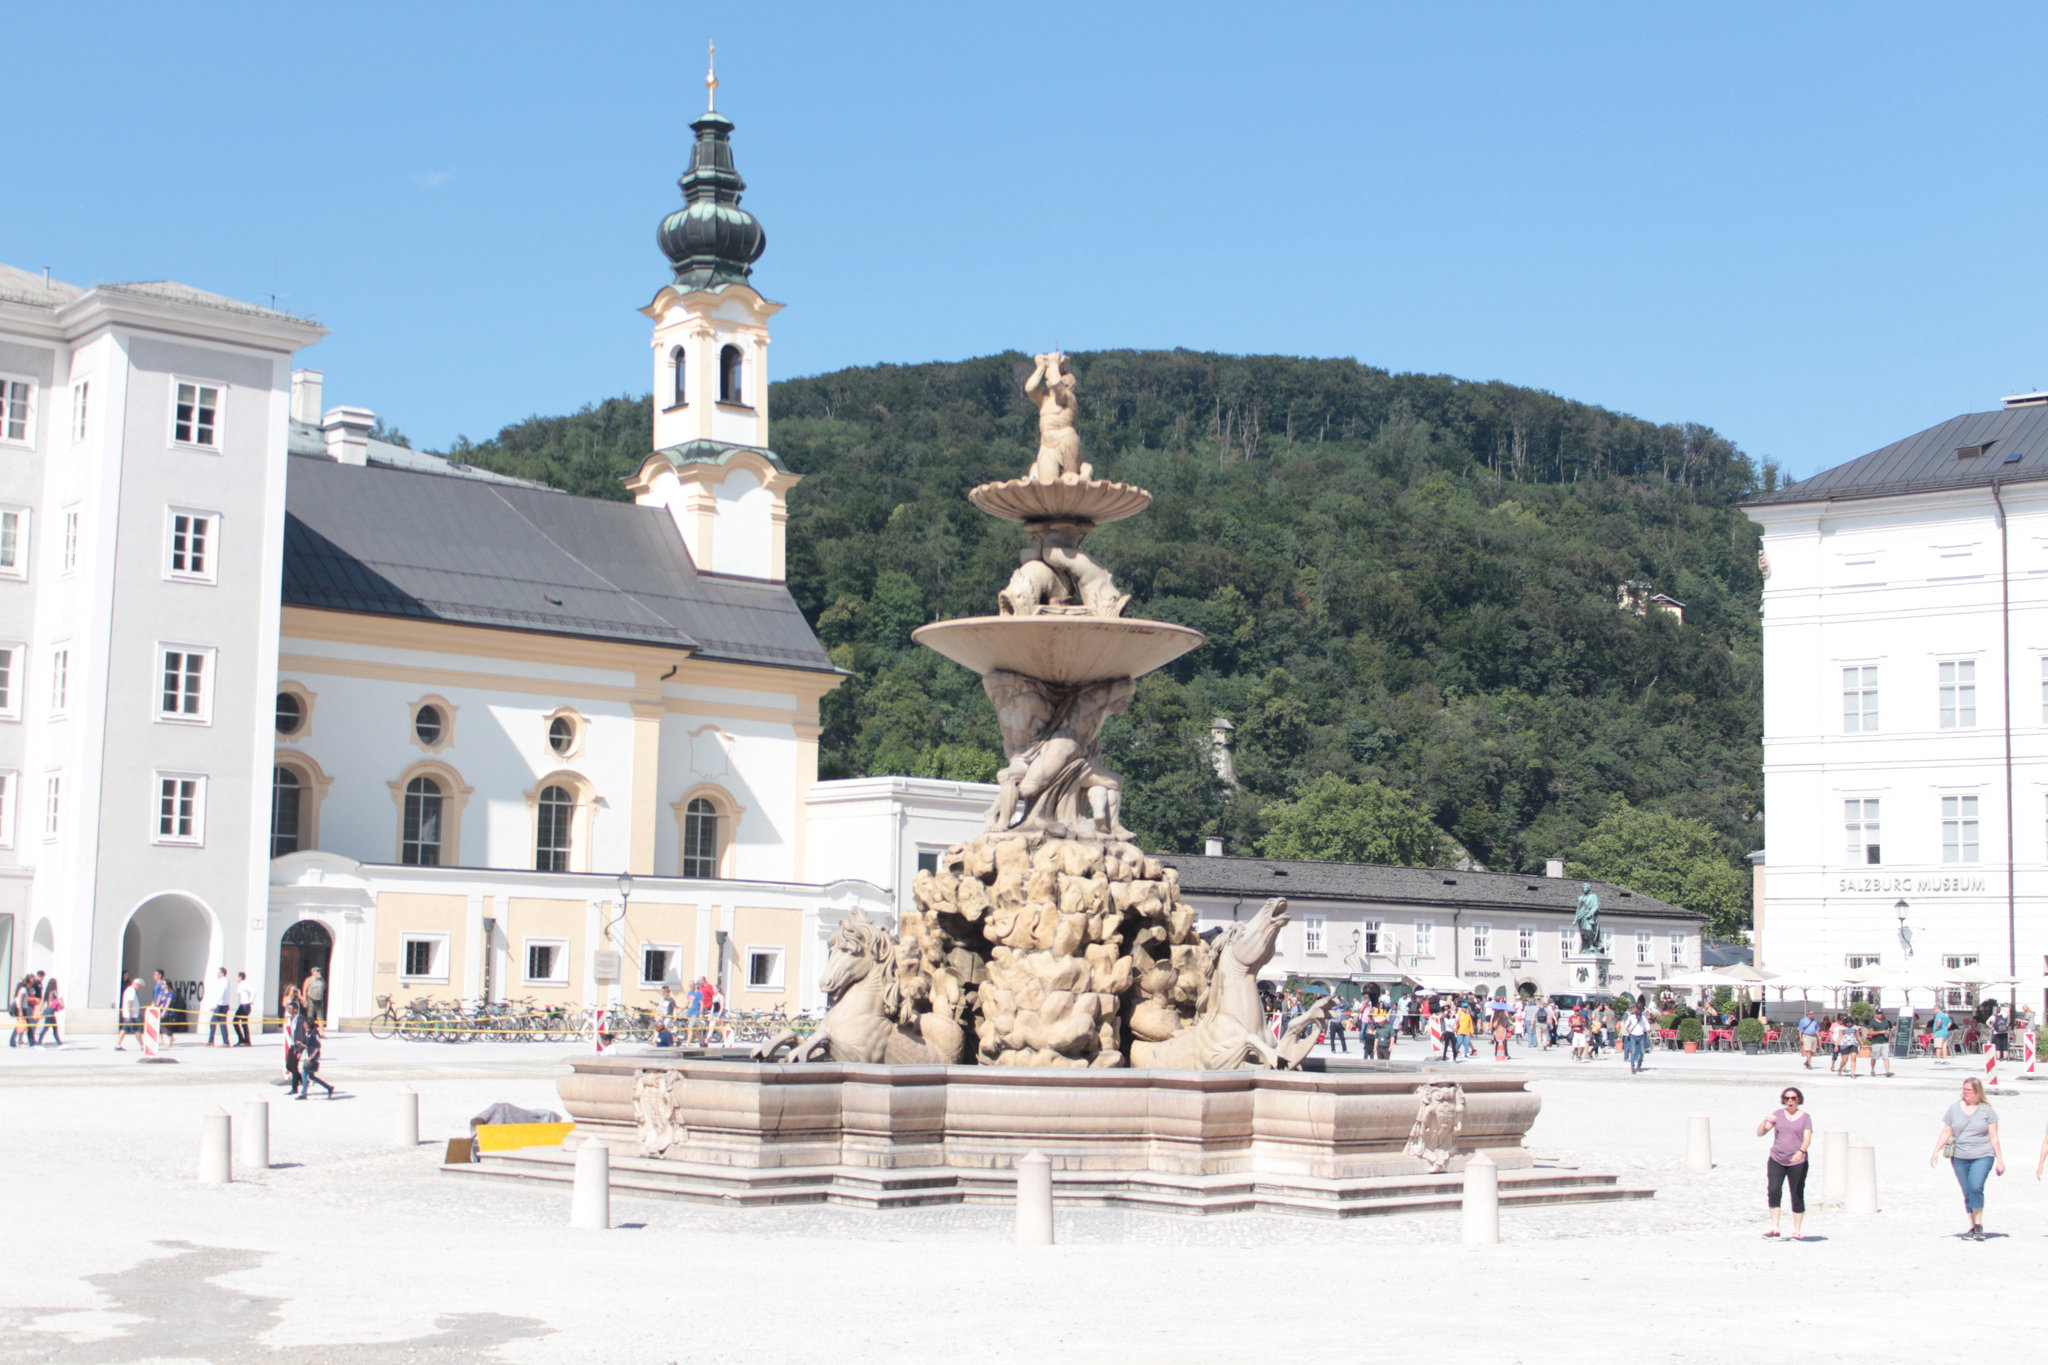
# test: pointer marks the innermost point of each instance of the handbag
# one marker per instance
(1948, 1149)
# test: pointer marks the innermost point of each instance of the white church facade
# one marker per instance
(275, 694)
(1905, 638)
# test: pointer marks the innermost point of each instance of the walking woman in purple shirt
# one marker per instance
(1791, 1131)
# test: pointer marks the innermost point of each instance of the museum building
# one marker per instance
(276, 694)
(1905, 649)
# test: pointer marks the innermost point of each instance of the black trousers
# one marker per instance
(1336, 1032)
(1780, 1175)
(242, 1025)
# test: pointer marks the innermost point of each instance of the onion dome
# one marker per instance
(711, 240)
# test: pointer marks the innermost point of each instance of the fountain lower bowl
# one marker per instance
(1059, 649)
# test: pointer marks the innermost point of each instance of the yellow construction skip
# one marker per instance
(506, 1137)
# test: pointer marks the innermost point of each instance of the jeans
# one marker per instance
(218, 1024)
(1632, 1048)
(1971, 1173)
(1777, 1177)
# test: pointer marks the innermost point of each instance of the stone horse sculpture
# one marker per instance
(1229, 1029)
(863, 1000)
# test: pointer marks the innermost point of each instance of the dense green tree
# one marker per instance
(1674, 859)
(1404, 579)
(1347, 822)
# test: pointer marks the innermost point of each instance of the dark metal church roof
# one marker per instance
(2017, 441)
(436, 547)
(1440, 887)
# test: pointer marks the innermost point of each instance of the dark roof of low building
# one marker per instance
(2012, 445)
(436, 547)
(1445, 887)
(303, 438)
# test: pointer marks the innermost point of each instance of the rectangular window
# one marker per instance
(14, 542)
(1678, 950)
(1313, 934)
(1959, 829)
(186, 676)
(1644, 953)
(53, 801)
(1859, 699)
(7, 785)
(11, 657)
(60, 680)
(1958, 694)
(195, 418)
(191, 546)
(16, 418)
(1482, 941)
(660, 965)
(180, 809)
(2044, 689)
(1856, 962)
(928, 860)
(1425, 940)
(1959, 997)
(70, 539)
(1371, 937)
(547, 962)
(1859, 825)
(764, 969)
(425, 957)
(1525, 942)
(81, 396)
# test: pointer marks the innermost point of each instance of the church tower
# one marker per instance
(712, 468)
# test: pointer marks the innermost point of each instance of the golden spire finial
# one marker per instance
(711, 81)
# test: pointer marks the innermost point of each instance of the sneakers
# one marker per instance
(1977, 1233)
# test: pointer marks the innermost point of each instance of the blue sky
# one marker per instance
(1807, 226)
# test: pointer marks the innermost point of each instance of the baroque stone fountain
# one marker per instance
(1048, 990)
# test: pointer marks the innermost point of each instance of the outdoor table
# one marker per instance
(1721, 1037)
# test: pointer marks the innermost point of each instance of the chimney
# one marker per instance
(1212, 848)
(348, 434)
(1554, 868)
(2036, 399)
(306, 386)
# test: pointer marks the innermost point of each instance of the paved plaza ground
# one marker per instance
(351, 1251)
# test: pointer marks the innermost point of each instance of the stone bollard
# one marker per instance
(1482, 1201)
(216, 1140)
(1699, 1143)
(252, 1139)
(1862, 1196)
(1034, 1200)
(405, 1131)
(590, 1202)
(1834, 1165)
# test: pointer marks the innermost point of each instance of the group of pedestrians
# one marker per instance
(1374, 1024)
(35, 1004)
(699, 1009)
(222, 996)
(1968, 1138)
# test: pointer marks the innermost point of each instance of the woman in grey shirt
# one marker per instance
(1969, 1137)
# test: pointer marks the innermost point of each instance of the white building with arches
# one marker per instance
(275, 694)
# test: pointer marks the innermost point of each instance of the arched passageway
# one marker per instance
(178, 936)
(304, 946)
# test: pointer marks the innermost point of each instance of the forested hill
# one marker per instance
(1407, 579)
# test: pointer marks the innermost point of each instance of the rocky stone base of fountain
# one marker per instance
(1336, 1143)
(1046, 937)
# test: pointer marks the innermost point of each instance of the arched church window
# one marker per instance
(680, 388)
(551, 834)
(420, 844)
(729, 376)
(700, 839)
(285, 791)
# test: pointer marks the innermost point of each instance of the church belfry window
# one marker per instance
(729, 390)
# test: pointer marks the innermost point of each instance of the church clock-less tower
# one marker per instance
(712, 468)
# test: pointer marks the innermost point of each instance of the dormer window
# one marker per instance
(679, 389)
(1972, 452)
(729, 376)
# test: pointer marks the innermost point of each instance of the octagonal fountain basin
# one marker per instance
(1059, 649)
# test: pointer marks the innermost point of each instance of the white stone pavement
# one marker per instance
(350, 1251)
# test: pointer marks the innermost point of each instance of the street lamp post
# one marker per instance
(1905, 933)
(618, 939)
